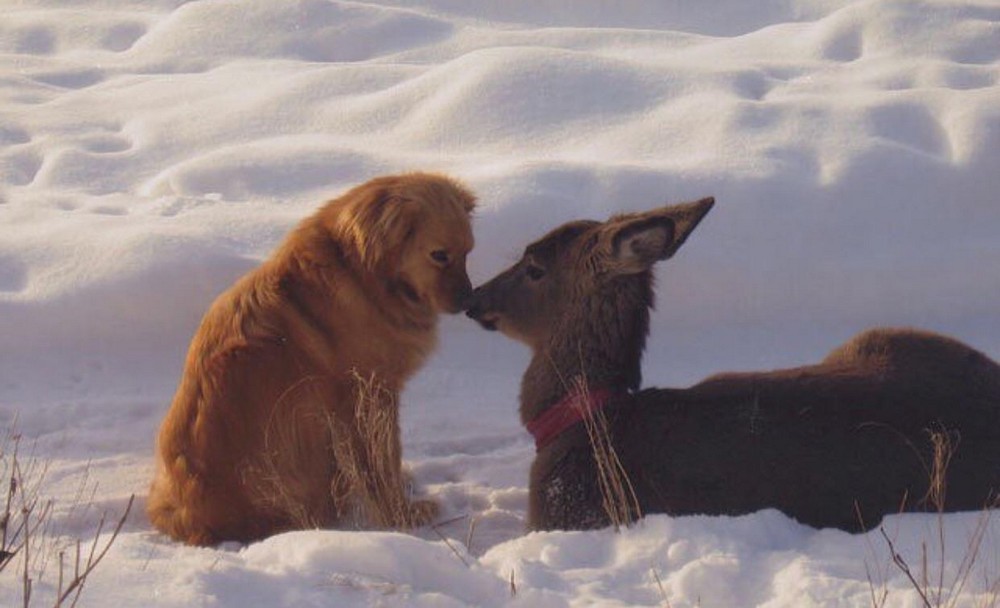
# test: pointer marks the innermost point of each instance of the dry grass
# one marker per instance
(436, 528)
(370, 482)
(877, 571)
(659, 586)
(265, 480)
(473, 521)
(618, 498)
(27, 544)
(82, 569)
(930, 577)
(271, 488)
(25, 519)
(369, 488)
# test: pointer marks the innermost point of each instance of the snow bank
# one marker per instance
(152, 151)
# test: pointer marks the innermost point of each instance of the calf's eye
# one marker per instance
(440, 256)
(535, 273)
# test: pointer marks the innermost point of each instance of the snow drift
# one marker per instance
(151, 152)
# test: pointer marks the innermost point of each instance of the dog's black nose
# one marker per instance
(464, 297)
(474, 305)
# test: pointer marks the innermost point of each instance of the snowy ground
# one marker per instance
(152, 151)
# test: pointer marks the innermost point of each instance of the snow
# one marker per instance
(152, 151)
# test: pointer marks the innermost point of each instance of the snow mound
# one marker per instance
(152, 152)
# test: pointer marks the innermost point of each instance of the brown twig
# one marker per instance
(447, 542)
(880, 596)
(472, 530)
(933, 588)
(75, 587)
(974, 546)
(617, 493)
(659, 585)
(25, 579)
(904, 568)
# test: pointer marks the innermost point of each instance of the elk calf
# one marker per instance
(837, 444)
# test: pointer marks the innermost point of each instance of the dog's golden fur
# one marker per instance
(270, 383)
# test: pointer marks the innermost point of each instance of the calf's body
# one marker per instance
(837, 444)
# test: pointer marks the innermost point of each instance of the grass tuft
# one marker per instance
(618, 498)
(27, 543)
(929, 579)
(370, 481)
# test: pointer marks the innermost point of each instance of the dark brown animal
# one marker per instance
(345, 308)
(838, 444)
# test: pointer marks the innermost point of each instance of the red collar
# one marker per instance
(573, 407)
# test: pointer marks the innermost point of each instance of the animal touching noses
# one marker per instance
(479, 312)
(463, 298)
(474, 305)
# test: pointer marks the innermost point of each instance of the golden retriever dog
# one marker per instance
(275, 373)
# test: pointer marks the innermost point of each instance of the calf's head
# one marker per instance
(587, 266)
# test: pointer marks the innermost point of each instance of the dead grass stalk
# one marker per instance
(26, 534)
(618, 497)
(369, 478)
(930, 579)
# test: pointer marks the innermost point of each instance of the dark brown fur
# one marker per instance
(247, 447)
(810, 441)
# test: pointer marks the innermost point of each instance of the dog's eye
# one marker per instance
(440, 256)
(535, 273)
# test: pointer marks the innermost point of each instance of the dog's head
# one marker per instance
(413, 232)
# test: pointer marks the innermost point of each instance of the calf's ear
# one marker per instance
(640, 240)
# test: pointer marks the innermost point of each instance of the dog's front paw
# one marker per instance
(422, 512)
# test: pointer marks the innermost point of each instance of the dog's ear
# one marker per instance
(372, 222)
(465, 196)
